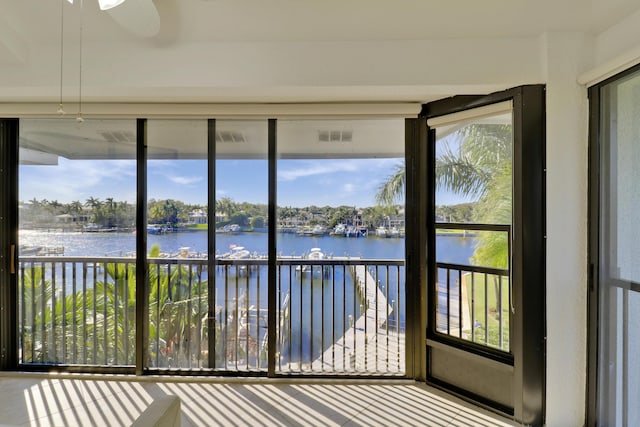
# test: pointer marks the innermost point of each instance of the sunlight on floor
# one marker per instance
(49, 400)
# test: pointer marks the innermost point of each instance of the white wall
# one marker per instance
(618, 40)
(267, 71)
(566, 55)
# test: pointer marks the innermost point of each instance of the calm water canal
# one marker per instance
(320, 308)
(450, 249)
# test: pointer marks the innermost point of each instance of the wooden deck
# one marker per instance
(372, 345)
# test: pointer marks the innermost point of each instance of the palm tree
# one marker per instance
(481, 168)
(96, 324)
(226, 206)
(93, 202)
(392, 190)
(484, 150)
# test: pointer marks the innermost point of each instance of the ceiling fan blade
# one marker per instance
(108, 4)
(140, 17)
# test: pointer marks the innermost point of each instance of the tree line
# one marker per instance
(122, 214)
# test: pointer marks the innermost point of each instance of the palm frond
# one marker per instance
(459, 174)
(393, 188)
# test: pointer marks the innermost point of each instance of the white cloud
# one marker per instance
(77, 180)
(185, 180)
(314, 168)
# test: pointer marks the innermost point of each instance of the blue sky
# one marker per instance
(334, 182)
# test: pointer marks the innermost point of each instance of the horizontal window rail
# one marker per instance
(334, 316)
(623, 284)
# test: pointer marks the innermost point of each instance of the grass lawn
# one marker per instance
(488, 290)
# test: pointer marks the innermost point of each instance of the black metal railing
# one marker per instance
(333, 315)
(473, 303)
(77, 310)
(341, 316)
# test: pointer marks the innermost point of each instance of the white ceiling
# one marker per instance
(227, 50)
(183, 21)
(266, 51)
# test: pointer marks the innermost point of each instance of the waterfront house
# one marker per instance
(102, 84)
(198, 216)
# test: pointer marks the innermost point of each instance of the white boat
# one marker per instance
(315, 253)
(339, 230)
(318, 230)
(393, 232)
(382, 232)
(156, 229)
(239, 252)
(30, 250)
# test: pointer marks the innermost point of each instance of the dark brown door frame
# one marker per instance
(8, 238)
(529, 236)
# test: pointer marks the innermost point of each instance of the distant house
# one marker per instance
(396, 221)
(357, 219)
(65, 218)
(198, 216)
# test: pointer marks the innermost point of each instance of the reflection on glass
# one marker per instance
(340, 206)
(619, 296)
(474, 186)
(77, 192)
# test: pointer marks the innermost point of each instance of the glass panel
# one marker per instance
(241, 221)
(340, 247)
(76, 283)
(625, 197)
(177, 223)
(473, 218)
(633, 363)
(619, 346)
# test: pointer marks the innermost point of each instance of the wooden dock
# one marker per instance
(372, 344)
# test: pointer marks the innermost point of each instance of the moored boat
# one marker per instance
(339, 230)
(382, 232)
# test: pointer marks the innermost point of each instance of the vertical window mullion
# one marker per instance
(142, 296)
(211, 241)
(271, 269)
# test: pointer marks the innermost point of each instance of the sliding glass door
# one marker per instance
(200, 233)
(76, 270)
(615, 247)
(341, 247)
(240, 305)
(176, 236)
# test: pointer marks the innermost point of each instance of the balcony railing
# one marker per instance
(474, 302)
(333, 316)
